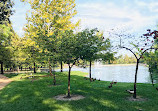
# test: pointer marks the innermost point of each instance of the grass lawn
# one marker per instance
(23, 95)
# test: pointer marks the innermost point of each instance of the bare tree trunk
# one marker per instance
(151, 75)
(18, 68)
(90, 64)
(135, 83)
(50, 68)
(61, 69)
(68, 95)
(2, 71)
(54, 81)
(34, 67)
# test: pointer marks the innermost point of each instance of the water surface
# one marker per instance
(119, 73)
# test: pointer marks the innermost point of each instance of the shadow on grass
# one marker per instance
(24, 95)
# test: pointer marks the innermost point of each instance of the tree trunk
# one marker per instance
(50, 68)
(90, 64)
(68, 95)
(54, 81)
(2, 72)
(18, 69)
(151, 75)
(135, 83)
(21, 68)
(61, 69)
(34, 67)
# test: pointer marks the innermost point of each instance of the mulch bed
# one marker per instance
(136, 99)
(65, 98)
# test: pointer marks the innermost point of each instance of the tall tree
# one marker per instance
(5, 31)
(49, 18)
(5, 44)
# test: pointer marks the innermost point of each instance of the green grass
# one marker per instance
(23, 95)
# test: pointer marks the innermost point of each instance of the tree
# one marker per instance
(74, 48)
(6, 31)
(95, 47)
(32, 50)
(48, 20)
(143, 44)
(68, 47)
(5, 11)
(18, 55)
(151, 59)
(5, 46)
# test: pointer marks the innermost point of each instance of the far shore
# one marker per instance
(119, 64)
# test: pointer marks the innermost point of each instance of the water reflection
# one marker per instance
(119, 73)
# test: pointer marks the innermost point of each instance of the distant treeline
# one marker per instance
(122, 60)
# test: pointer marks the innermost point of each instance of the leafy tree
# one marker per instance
(5, 11)
(5, 44)
(95, 47)
(5, 31)
(69, 49)
(32, 50)
(151, 59)
(74, 47)
(48, 19)
(18, 55)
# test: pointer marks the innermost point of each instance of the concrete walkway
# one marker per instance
(4, 81)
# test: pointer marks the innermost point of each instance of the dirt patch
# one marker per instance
(136, 99)
(65, 98)
(4, 81)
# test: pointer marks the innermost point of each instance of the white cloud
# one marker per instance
(110, 15)
(151, 5)
(105, 15)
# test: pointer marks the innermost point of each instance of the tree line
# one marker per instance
(50, 38)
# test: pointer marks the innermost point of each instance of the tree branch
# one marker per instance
(146, 50)
(131, 51)
(74, 62)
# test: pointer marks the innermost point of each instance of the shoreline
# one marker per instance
(119, 65)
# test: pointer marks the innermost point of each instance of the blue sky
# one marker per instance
(134, 16)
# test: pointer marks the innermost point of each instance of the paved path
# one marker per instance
(4, 81)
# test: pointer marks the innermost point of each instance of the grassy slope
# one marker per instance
(23, 95)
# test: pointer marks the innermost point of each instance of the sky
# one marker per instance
(131, 15)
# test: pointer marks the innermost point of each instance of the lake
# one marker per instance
(119, 73)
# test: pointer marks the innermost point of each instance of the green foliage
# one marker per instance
(151, 60)
(68, 47)
(48, 20)
(5, 11)
(5, 43)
